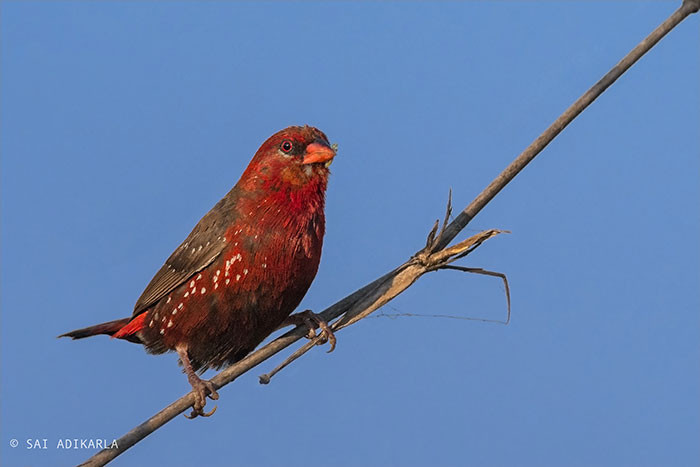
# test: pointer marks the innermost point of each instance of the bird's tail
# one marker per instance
(116, 328)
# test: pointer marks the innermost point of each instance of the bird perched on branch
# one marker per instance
(243, 269)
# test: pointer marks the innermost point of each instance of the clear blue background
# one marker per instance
(124, 122)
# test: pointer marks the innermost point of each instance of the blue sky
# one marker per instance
(124, 122)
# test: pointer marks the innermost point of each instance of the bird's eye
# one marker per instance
(286, 146)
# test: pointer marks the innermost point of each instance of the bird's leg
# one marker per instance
(201, 388)
(313, 321)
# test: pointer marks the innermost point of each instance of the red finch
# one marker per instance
(243, 269)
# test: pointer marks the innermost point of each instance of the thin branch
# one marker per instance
(376, 294)
(265, 379)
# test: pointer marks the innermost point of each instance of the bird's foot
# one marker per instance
(313, 321)
(202, 389)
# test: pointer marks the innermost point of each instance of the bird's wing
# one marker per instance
(201, 247)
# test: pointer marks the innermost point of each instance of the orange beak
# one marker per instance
(317, 152)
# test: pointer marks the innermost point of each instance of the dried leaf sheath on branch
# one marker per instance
(376, 293)
(405, 275)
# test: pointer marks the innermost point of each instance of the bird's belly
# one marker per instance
(222, 313)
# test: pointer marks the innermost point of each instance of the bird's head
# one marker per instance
(296, 156)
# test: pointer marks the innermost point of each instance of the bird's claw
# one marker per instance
(314, 321)
(326, 335)
(200, 413)
(202, 390)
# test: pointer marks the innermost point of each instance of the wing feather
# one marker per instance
(201, 247)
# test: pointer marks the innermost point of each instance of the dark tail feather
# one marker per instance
(108, 328)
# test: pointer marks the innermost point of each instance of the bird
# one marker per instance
(244, 268)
